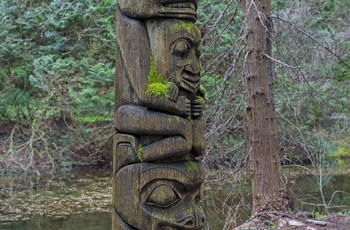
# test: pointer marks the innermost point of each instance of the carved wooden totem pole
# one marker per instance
(159, 122)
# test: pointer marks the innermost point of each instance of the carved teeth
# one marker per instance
(181, 5)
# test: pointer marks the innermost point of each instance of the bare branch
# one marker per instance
(311, 37)
(278, 61)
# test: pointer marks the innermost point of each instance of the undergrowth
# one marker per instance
(50, 145)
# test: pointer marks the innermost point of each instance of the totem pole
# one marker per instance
(159, 122)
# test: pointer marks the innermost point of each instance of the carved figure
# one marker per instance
(158, 116)
(163, 196)
(173, 78)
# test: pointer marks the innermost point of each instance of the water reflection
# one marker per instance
(335, 192)
(81, 191)
(94, 221)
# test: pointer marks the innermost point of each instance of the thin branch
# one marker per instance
(312, 38)
(225, 27)
(278, 61)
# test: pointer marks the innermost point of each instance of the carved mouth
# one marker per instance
(167, 228)
(163, 227)
(188, 5)
(172, 228)
(190, 81)
(180, 8)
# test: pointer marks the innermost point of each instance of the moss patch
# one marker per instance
(139, 150)
(173, 119)
(156, 85)
(158, 89)
(188, 26)
(191, 166)
(201, 100)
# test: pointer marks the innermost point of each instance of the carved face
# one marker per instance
(185, 9)
(164, 196)
(176, 48)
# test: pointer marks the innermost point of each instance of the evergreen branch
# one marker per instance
(311, 37)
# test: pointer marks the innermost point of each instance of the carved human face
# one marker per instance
(176, 48)
(160, 196)
(184, 9)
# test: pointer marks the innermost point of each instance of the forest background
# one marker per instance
(57, 72)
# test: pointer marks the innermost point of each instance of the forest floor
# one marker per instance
(296, 221)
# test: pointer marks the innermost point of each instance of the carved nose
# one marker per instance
(196, 220)
(194, 65)
(189, 222)
(193, 68)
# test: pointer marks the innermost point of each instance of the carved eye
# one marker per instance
(181, 48)
(162, 196)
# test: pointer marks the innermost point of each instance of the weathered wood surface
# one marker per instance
(159, 120)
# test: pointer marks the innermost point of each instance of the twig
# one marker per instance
(311, 37)
(278, 61)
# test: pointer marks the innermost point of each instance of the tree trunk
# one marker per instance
(262, 138)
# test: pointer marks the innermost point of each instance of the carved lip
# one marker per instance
(186, 5)
(192, 81)
(180, 8)
(167, 227)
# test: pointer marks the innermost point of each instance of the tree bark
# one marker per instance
(262, 137)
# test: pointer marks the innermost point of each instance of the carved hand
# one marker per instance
(173, 92)
(185, 105)
(197, 106)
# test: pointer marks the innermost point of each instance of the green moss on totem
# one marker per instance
(153, 75)
(139, 150)
(191, 166)
(165, 216)
(158, 89)
(201, 100)
(190, 209)
(156, 85)
(192, 122)
(188, 26)
(201, 89)
(171, 119)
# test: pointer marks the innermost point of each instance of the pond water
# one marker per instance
(81, 199)
(86, 221)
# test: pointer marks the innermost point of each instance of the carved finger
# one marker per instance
(173, 92)
(197, 108)
(197, 104)
(196, 112)
(188, 107)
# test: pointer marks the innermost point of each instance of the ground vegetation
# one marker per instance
(57, 70)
